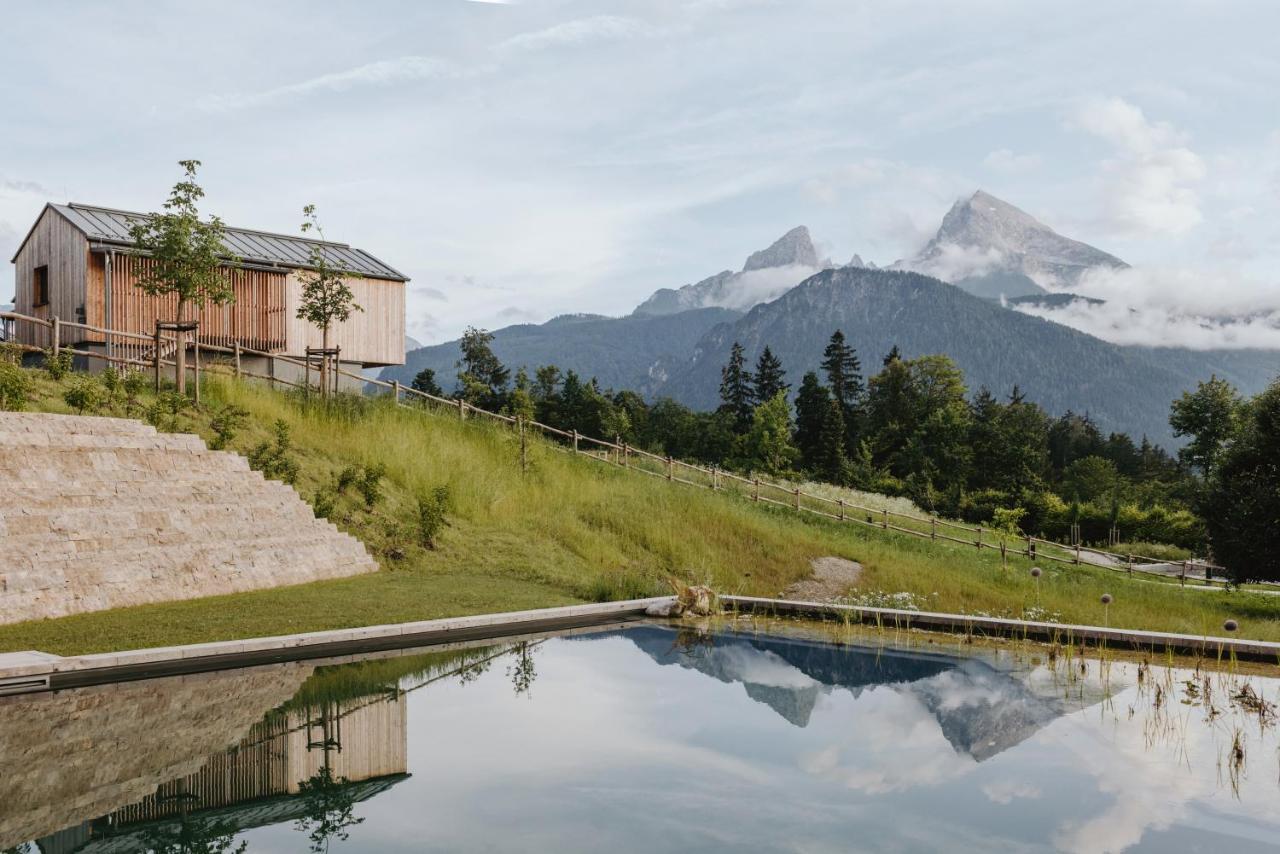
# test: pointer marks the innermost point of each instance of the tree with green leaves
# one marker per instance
(1208, 415)
(736, 390)
(326, 298)
(482, 378)
(187, 255)
(770, 378)
(768, 444)
(811, 413)
(1242, 503)
(425, 382)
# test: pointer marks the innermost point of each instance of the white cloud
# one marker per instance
(1149, 186)
(385, 72)
(1173, 308)
(1006, 161)
(599, 28)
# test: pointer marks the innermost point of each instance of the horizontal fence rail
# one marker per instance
(624, 456)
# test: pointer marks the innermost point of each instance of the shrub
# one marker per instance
(134, 384)
(163, 413)
(370, 483)
(322, 504)
(111, 382)
(15, 387)
(84, 393)
(58, 365)
(431, 515)
(273, 458)
(11, 352)
(346, 478)
(1008, 519)
(225, 424)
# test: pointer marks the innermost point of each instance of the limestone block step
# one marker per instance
(42, 422)
(105, 513)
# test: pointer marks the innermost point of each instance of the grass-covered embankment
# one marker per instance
(571, 530)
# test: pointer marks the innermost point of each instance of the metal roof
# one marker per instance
(106, 225)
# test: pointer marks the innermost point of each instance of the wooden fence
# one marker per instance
(640, 461)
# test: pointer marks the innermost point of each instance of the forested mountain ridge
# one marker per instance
(1122, 388)
(636, 352)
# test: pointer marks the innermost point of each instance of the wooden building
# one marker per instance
(79, 264)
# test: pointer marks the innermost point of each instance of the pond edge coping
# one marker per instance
(1137, 640)
(30, 671)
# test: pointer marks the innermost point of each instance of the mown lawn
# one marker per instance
(571, 530)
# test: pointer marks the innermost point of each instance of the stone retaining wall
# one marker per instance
(103, 513)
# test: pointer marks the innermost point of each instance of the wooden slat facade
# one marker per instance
(262, 316)
(256, 318)
(374, 336)
(61, 247)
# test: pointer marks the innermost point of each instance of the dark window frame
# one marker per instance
(40, 286)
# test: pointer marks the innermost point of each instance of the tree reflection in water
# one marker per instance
(193, 836)
(522, 672)
(330, 808)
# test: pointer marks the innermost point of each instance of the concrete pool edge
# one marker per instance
(32, 671)
(1207, 646)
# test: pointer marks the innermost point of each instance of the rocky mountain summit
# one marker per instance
(766, 275)
(991, 248)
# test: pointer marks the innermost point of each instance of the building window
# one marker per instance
(40, 286)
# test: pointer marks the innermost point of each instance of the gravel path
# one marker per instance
(831, 579)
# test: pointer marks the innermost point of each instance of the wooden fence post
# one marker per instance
(196, 365)
(797, 493)
(626, 455)
(933, 528)
(1184, 573)
(462, 409)
(524, 446)
(237, 358)
(840, 501)
(978, 542)
(395, 390)
(56, 335)
(755, 492)
(1131, 564)
(885, 518)
(575, 440)
(157, 357)
(271, 371)
(1031, 547)
(715, 478)
(1077, 552)
(1004, 559)
(671, 473)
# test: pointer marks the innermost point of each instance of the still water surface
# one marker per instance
(650, 739)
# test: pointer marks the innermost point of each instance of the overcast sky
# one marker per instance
(521, 160)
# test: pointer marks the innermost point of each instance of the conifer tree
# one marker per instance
(832, 462)
(811, 411)
(844, 375)
(770, 378)
(735, 390)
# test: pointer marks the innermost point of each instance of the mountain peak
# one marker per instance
(794, 247)
(984, 236)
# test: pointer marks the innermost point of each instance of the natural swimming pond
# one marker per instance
(651, 738)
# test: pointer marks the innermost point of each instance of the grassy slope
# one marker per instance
(573, 530)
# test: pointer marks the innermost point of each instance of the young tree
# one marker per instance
(326, 297)
(735, 390)
(768, 444)
(1208, 415)
(482, 377)
(187, 253)
(811, 413)
(770, 378)
(425, 382)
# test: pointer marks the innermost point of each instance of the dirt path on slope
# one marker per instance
(831, 579)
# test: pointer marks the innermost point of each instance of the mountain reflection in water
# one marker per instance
(650, 738)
